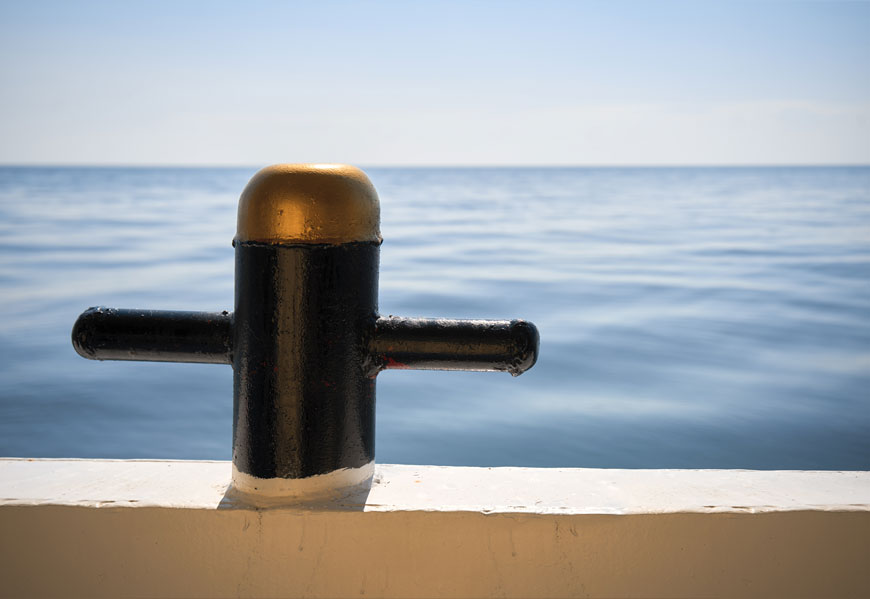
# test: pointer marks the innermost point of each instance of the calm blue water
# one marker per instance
(703, 318)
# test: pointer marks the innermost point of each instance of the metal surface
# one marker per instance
(442, 344)
(309, 203)
(303, 401)
(154, 335)
(305, 341)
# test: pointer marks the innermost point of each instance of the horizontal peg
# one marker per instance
(446, 344)
(154, 335)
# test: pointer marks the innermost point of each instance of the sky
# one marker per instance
(435, 83)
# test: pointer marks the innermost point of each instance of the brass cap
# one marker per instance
(309, 203)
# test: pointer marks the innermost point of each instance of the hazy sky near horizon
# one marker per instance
(442, 83)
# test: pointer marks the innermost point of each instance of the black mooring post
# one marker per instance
(305, 340)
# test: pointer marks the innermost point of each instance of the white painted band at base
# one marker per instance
(332, 485)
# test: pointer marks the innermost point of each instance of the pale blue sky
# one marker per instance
(450, 83)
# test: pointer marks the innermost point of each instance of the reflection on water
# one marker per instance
(704, 318)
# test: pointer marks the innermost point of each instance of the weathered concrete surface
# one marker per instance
(168, 529)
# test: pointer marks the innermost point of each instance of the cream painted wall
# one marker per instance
(399, 543)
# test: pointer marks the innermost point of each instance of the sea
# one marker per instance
(689, 317)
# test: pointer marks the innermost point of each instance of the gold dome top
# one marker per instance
(309, 203)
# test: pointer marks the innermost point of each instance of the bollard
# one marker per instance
(305, 340)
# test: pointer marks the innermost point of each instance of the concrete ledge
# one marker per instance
(168, 529)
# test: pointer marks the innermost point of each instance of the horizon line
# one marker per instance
(147, 165)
